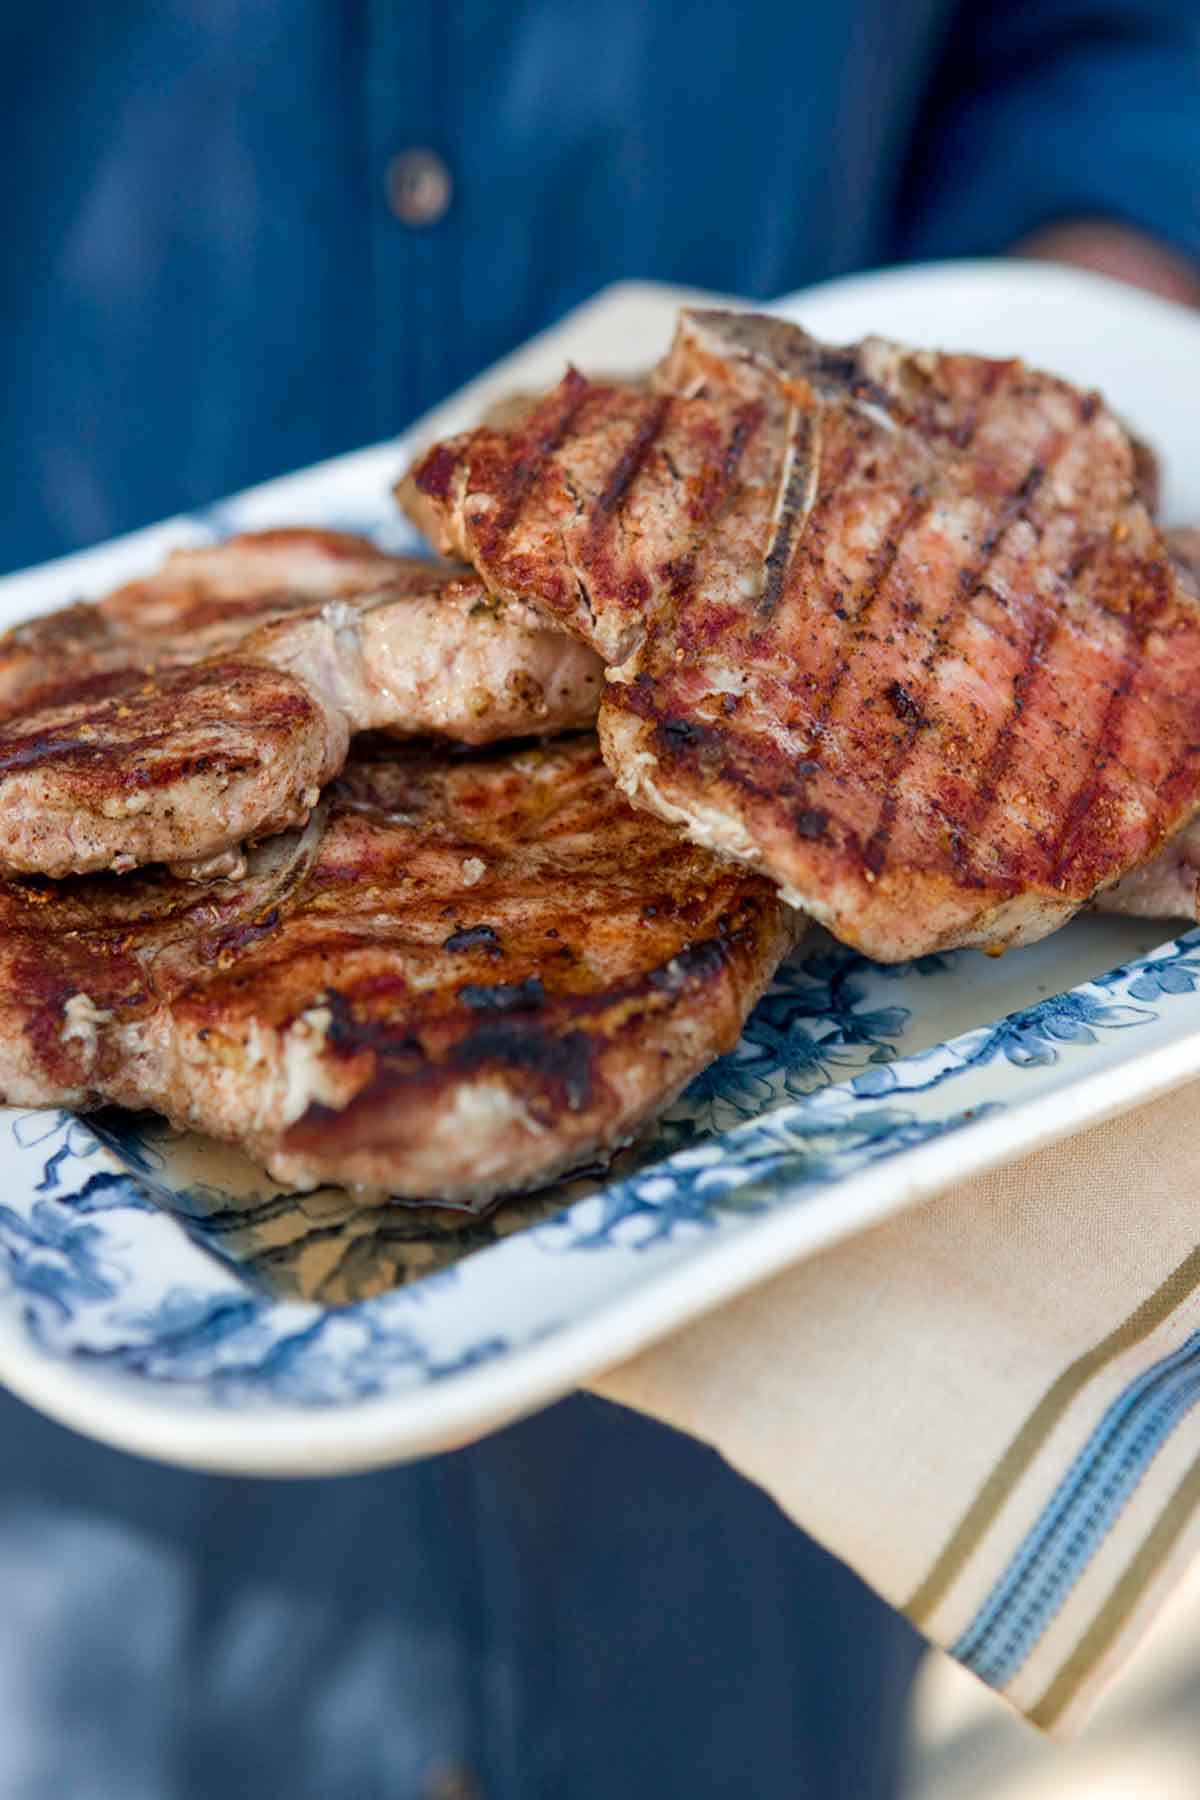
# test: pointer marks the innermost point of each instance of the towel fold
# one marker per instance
(987, 1407)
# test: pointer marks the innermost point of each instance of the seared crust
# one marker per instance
(206, 705)
(201, 602)
(133, 768)
(892, 626)
(467, 974)
(1168, 886)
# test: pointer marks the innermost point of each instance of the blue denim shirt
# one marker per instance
(202, 285)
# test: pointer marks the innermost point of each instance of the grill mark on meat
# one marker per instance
(915, 507)
(1139, 625)
(746, 422)
(715, 491)
(91, 752)
(914, 510)
(138, 777)
(682, 744)
(971, 580)
(93, 688)
(628, 465)
(793, 505)
(597, 558)
(962, 434)
(522, 474)
(718, 484)
(565, 1062)
(999, 757)
(28, 753)
(568, 1057)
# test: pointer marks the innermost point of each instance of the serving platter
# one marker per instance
(159, 1293)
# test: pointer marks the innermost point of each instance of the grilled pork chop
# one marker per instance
(199, 603)
(466, 974)
(209, 705)
(1167, 887)
(892, 626)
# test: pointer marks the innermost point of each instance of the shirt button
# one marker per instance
(419, 187)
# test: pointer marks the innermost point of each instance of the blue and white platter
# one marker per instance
(160, 1293)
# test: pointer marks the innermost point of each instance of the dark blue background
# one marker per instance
(202, 284)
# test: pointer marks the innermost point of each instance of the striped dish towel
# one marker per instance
(988, 1407)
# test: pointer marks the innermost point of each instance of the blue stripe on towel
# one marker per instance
(1078, 1516)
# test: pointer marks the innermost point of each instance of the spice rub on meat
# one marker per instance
(208, 704)
(892, 626)
(467, 973)
(200, 602)
(1168, 886)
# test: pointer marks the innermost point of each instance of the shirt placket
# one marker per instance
(411, 200)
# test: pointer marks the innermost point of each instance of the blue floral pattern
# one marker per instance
(99, 1271)
(814, 1026)
(1173, 971)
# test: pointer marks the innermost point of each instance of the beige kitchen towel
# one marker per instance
(988, 1407)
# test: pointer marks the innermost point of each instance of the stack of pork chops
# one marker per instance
(317, 850)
